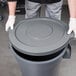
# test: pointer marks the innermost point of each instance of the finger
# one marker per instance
(69, 31)
(75, 33)
(6, 28)
(11, 27)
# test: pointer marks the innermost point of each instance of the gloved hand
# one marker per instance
(72, 26)
(10, 23)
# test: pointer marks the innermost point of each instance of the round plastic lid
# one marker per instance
(39, 36)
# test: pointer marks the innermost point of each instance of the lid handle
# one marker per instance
(72, 35)
(67, 54)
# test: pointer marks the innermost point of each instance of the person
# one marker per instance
(53, 10)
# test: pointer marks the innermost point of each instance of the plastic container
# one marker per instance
(39, 45)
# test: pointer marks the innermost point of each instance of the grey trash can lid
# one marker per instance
(39, 36)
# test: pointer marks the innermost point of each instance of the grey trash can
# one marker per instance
(39, 45)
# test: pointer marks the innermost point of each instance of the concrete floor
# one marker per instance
(8, 63)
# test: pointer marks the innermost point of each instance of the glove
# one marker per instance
(72, 26)
(10, 23)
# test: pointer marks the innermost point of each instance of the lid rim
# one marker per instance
(24, 48)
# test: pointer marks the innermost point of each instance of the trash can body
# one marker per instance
(39, 68)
